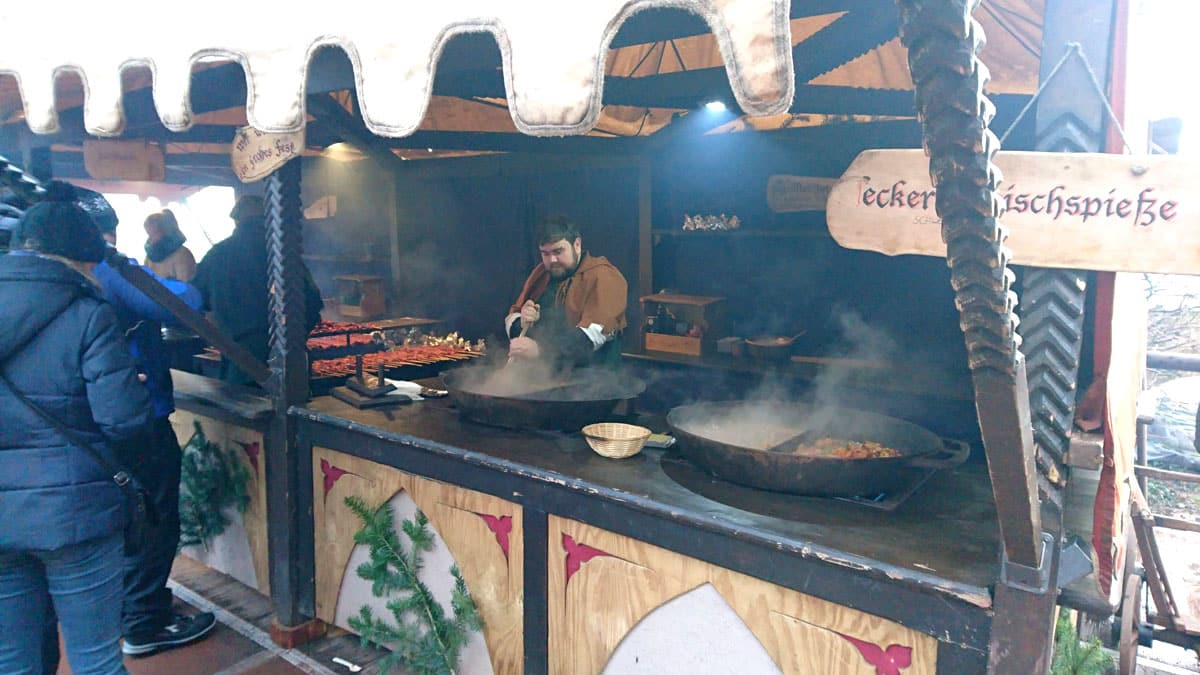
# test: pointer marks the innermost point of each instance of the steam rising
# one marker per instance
(773, 414)
(538, 380)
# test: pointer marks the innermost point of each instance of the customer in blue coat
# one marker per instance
(150, 624)
(61, 514)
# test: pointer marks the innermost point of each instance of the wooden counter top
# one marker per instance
(942, 543)
(214, 397)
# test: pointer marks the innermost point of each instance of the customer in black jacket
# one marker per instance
(232, 278)
(61, 514)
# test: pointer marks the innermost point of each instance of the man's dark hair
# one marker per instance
(556, 228)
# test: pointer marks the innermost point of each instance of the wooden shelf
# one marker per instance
(910, 378)
(364, 260)
(743, 233)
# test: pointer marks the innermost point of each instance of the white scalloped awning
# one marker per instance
(553, 50)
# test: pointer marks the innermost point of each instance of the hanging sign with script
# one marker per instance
(255, 154)
(788, 194)
(1118, 213)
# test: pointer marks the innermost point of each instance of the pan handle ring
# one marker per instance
(953, 453)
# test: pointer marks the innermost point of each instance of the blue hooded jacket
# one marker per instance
(143, 319)
(62, 347)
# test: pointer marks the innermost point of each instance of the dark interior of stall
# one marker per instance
(453, 239)
(458, 236)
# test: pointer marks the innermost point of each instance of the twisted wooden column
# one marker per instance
(288, 468)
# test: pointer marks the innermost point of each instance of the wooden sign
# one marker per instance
(1116, 213)
(124, 160)
(786, 194)
(256, 154)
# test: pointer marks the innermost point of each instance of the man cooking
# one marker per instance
(571, 310)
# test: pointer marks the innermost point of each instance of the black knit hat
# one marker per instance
(98, 208)
(59, 226)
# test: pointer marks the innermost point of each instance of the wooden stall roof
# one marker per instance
(662, 64)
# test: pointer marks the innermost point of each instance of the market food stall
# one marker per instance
(575, 562)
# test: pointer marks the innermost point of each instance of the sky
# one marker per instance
(1160, 68)
(203, 218)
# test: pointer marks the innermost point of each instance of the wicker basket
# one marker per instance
(616, 440)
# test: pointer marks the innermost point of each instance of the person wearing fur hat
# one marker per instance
(165, 252)
(62, 541)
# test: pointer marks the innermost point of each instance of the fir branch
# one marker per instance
(422, 639)
(211, 480)
(1072, 657)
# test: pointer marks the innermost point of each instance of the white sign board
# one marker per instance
(787, 194)
(256, 154)
(1078, 211)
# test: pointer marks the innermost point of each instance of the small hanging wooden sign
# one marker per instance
(787, 194)
(255, 154)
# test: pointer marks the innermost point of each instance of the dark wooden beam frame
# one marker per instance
(1023, 632)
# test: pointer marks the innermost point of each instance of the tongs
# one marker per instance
(540, 394)
(806, 436)
(524, 329)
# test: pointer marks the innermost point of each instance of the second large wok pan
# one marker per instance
(729, 440)
(587, 396)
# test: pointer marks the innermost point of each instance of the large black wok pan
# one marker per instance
(729, 440)
(585, 397)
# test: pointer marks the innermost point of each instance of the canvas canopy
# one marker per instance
(553, 52)
(555, 58)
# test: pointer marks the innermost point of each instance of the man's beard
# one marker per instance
(563, 272)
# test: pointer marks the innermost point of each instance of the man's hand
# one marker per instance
(523, 348)
(530, 313)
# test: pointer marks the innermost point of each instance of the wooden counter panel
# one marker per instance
(601, 585)
(483, 534)
(247, 446)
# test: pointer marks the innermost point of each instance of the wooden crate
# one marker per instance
(371, 299)
(706, 312)
(674, 344)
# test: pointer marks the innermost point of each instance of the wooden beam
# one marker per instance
(1173, 361)
(1163, 474)
(657, 25)
(353, 130)
(1156, 578)
(850, 36)
(1176, 523)
(154, 290)
(175, 175)
(645, 280)
(517, 142)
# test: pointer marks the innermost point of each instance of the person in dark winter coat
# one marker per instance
(11, 209)
(232, 278)
(62, 515)
(150, 624)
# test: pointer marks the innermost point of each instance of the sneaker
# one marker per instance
(183, 629)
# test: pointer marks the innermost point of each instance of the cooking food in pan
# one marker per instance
(845, 449)
(513, 398)
(755, 443)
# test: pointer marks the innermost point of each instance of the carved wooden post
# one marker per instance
(289, 485)
(943, 44)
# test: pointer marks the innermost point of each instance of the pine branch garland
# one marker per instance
(1072, 657)
(423, 639)
(211, 480)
